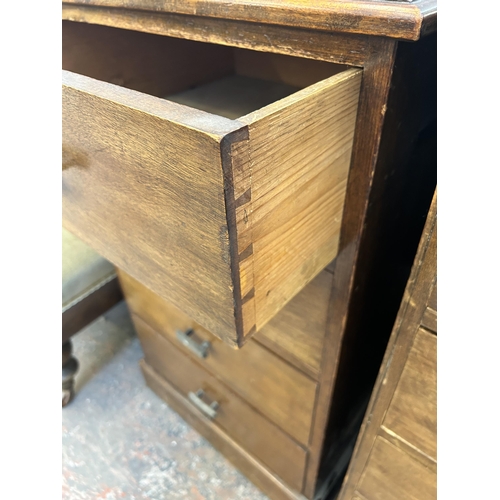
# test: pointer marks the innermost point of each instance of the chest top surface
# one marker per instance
(399, 19)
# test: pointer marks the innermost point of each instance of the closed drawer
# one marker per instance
(242, 423)
(391, 474)
(226, 218)
(296, 333)
(412, 414)
(279, 391)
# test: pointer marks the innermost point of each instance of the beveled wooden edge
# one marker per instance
(304, 93)
(339, 48)
(239, 457)
(213, 126)
(231, 205)
(401, 20)
(392, 366)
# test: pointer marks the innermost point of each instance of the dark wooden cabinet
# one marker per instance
(259, 173)
(395, 456)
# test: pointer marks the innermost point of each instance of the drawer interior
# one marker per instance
(227, 219)
(221, 80)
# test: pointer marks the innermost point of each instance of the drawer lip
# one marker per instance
(210, 124)
(233, 260)
(227, 394)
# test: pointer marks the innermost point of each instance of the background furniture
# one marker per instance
(395, 455)
(284, 221)
(89, 289)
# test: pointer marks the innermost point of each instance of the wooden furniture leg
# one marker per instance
(69, 369)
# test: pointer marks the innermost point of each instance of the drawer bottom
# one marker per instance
(270, 484)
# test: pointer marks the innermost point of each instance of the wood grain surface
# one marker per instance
(272, 386)
(381, 18)
(143, 185)
(298, 171)
(280, 172)
(412, 414)
(332, 47)
(242, 423)
(297, 332)
(391, 474)
(338, 344)
(235, 453)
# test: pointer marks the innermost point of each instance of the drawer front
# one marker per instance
(412, 414)
(296, 333)
(279, 391)
(255, 433)
(391, 474)
(201, 208)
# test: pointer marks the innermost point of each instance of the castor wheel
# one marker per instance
(69, 368)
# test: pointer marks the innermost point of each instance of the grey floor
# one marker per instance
(120, 441)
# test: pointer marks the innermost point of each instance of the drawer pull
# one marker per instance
(210, 410)
(199, 348)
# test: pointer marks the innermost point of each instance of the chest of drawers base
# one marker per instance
(255, 405)
(236, 454)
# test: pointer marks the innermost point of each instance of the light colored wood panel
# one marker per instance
(143, 185)
(391, 474)
(155, 65)
(279, 391)
(412, 413)
(298, 183)
(433, 298)
(298, 330)
(236, 454)
(408, 448)
(358, 496)
(233, 96)
(243, 424)
(429, 319)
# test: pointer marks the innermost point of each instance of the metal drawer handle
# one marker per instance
(210, 410)
(199, 348)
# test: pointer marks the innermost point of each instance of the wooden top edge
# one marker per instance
(299, 95)
(214, 126)
(395, 19)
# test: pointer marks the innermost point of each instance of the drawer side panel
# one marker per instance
(299, 154)
(144, 187)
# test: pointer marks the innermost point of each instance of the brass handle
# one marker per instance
(199, 348)
(210, 410)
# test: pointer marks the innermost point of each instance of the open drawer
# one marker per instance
(226, 202)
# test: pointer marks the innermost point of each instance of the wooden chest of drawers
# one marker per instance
(258, 173)
(259, 398)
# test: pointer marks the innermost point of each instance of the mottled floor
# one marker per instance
(121, 441)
